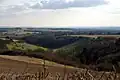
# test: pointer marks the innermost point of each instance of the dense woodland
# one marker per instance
(50, 41)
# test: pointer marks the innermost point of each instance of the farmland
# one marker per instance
(52, 54)
(22, 70)
(95, 36)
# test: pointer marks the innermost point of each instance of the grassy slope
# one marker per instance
(32, 60)
(24, 47)
(20, 45)
(28, 48)
(74, 47)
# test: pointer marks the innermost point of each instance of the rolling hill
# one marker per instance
(20, 45)
(95, 53)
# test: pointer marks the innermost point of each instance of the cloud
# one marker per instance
(13, 7)
(50, 4)
(56, 12)
(9, 9)
(61, 4)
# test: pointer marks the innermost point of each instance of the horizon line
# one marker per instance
(60, 27)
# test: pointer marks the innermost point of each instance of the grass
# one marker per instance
(31, 72)
(29, 60)
(45, 74)
(33, 60)
(25, 47)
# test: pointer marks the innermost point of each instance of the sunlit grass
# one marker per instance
(24, 47)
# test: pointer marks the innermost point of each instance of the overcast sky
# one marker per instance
(63, 13)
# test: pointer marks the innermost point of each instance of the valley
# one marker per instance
(61, 52)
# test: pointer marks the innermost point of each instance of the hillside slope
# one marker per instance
(7, 44)
(20, 70)
(97, 53)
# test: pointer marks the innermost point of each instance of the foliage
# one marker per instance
(73, 49)
(3, 44)
(98, 52)
(51, 41)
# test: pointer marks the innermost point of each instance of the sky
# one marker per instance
(59, 13)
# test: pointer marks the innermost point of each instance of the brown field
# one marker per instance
(19, 64)
(95, 36)
(25, 68)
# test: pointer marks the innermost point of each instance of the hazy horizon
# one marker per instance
(61, 27)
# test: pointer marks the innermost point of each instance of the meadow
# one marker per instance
(22, 46)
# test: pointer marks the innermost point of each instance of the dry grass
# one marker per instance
(95, 36)
(33, 60)
(44, 74)
(29, 71)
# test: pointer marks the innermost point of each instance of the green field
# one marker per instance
(25, 47)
